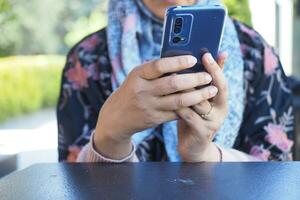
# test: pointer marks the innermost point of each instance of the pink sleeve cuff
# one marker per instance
(233, 155)
(89, 154)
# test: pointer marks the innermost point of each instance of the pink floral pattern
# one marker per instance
(93, 71)
(268, 119)
(270, 61)
(260, 153)
(77, 76)
(90, 43)
(276, 136)
(250, 32)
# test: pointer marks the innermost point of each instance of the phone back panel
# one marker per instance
(201, 31)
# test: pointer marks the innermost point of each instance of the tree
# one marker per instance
(39, 27)
(7, 25)
(53, 26)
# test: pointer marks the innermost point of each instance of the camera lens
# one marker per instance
(178, 21)
(177, 30)
(176, 39)
(178, 25)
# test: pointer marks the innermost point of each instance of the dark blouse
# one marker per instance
(266, 130)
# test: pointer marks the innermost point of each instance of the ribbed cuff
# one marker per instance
(89, 154)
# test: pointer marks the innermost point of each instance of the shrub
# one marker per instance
(239, 9)
(28, 83)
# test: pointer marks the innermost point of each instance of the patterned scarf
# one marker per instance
(134, 36)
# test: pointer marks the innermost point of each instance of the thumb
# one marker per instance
(222, 57)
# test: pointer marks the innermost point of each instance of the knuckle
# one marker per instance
(140, 71)
(132, 74)
(191, 116)
(157, 66)
(179, 101)
(135, 71)
(173, 82)
(150, 118)
(139, 91)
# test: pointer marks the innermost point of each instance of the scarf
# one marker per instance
(134, 36)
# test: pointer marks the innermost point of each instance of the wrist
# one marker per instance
(212, 154)
(111, 146)
(110, 135)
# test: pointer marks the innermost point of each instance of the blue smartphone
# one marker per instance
(193, 30)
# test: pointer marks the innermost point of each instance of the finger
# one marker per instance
(202, 108)
(205, 130)
(187, 99)
(175, 83)
(190, 117)
(219, 80)
(157, 68)
(168, 116)
(222, 59)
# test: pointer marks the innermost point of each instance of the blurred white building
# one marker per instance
(273, 19)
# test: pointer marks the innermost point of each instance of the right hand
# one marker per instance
(146, 99)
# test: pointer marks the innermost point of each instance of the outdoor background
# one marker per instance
(35, 37)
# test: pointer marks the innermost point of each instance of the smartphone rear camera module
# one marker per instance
(181, 26)
(178, 25)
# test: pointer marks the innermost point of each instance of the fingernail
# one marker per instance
(207, 78)
(192, 60)
(210, 59)
(213, 90)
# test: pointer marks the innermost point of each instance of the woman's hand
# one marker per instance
(198, 125)
(146, 99)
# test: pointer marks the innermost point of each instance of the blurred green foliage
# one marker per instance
(28, 83)
(84, 26)
(53, 26)
(239, 9)
(47, 26)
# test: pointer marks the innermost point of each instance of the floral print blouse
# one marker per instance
(267, 128)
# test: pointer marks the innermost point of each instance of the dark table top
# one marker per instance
(154, 181)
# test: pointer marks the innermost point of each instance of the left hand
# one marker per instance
(198, 125)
